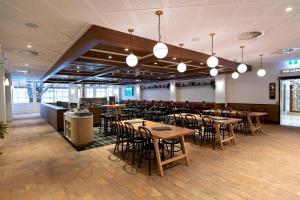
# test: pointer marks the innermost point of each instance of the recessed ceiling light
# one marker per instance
(126, 49)
(77, 67)
(110, 57)
(288, 9)
(77, 71)
(174, 58)
(155, 63)
(201, 63)
(29, 46)
(26, 65)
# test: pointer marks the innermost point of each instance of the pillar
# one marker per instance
(220, 89)
(82, 89)
(137, 92)
(8, 98)
(2, 94)
(173, 91)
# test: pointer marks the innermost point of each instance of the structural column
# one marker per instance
(173, 91)
(137, 92)
(82, 89)
(220, 90)
(8, 98)
(2, 94)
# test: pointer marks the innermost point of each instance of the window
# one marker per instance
(22, 92)
(110, 92)
(55, 92)
(101, 92)
(20, 95)
(89, 92)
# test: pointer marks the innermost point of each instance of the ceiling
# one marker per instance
(61, 22)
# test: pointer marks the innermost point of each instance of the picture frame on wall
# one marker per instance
(272, 91)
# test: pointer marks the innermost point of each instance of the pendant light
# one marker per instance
(242, 68)
(235, 75)
(131, 59)
(261, 72)
(213, 72)
(181, 67)
(212, 61)
(6, 82)
(160, 50)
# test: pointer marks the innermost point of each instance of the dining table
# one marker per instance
(218, 121)
(253, 127)
(163, 132)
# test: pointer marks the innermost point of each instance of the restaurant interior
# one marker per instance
(137, 99)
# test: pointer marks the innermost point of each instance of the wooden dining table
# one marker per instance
(230, 122)
(173, 132)
(254, 128)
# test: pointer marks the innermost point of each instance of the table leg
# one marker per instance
(231, 132)
(184, 151)
(258, 123)
(251, 126)
(157, 155)
(218, 135)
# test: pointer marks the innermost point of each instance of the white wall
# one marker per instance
(220, 91)
(23, 108)
(249, 88)
(198, 94)
(156, 94)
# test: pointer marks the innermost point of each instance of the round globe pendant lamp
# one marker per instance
(242, 68)
(212, 61)
(235, 75)
(181, 67)
(131, 59)
(213, 72)
(261, 72)
(160, 50)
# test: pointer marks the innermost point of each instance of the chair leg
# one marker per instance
(140, 161)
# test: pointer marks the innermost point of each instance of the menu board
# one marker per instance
(272, 90)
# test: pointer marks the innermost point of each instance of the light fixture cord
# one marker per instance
(242, 55)
(130, 43)
(159, 36)
(261, 61)
(212, 45)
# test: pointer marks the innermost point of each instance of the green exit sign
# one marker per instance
(293, 62)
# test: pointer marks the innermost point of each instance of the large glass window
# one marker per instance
(110, 91)
(101, 92)
(89, 92)
(22, 92)
(55, 92)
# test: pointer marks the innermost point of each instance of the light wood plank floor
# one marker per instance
(37, 163)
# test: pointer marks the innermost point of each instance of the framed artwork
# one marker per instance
(272, 91)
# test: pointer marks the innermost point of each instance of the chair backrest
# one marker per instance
(190, 121)
(146, 133)
(119, 128)
(129, 129)
(208, 121)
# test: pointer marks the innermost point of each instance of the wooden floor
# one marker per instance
(37, 163)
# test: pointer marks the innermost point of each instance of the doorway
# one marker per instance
(290, 102)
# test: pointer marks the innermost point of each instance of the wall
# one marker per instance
(20, 108)
(156, 94)
(249, 88)
(198, 94)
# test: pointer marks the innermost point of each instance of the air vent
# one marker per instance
(26, 52)
(251, 35)
(285, 51)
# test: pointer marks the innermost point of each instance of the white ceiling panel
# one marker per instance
(111, 5)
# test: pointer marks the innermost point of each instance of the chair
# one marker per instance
(209, 130)
(191, 123)
(179, 120)
(134, 140)
(122, 137)
(148, 147)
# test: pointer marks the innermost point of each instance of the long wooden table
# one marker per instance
(175, 132)
(218, 121)
(250, 115)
